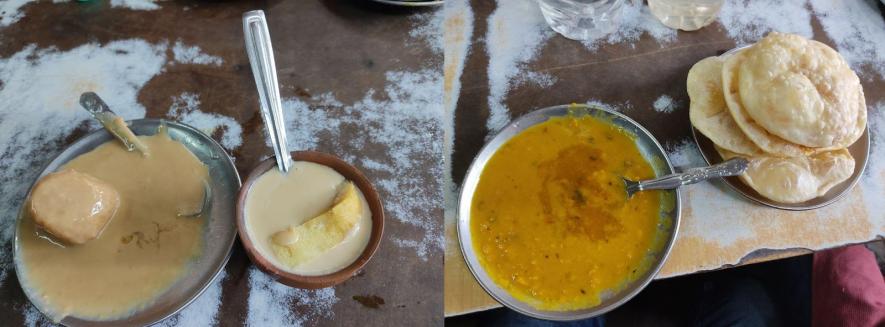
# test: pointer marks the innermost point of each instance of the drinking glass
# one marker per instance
(687, 15)
(582, 19)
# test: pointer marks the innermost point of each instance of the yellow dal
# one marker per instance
(550, 219)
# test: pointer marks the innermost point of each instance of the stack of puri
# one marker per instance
(790, 105)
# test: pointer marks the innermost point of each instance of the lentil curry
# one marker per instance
(550, 218)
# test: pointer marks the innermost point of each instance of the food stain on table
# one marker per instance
(550, 216)
(369, 301)
(143, 250)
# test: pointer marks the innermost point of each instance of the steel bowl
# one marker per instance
(668, 220)
(860, 150)
(218, 234)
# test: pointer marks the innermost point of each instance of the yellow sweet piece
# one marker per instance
(298, 244)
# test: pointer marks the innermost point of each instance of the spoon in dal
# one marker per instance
(732, 167)
(260, 52)
(111, 122)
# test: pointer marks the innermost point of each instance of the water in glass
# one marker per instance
(582, 19)
(687, 15)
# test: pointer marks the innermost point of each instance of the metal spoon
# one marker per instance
(732, 167)
(260, 52)
(113, 123)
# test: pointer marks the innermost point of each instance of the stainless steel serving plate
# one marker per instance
(860, 150)
(668, 223)
(218, 234)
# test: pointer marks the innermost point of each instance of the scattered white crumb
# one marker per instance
(421, 249)
(458, 32)
(34, 318)
(299, 113)
(621, 107)
(427, 27)
(664, 104)
(684, 154)
(636, 20)
(201, 312)
(10, 11)
(516, 31)
(543, 80)
(193, 55)
(136, 4)
(405, 120)
(874, 189)
(186, 108)
(327, 99)
(747, 21)
(275, 304)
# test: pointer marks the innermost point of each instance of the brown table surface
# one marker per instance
(365, 57)
(719, 228)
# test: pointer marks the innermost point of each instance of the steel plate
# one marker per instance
(219, 233)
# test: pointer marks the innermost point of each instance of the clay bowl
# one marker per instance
(313, 282)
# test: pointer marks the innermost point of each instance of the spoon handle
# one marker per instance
(731, 167)
(260, 52)
(111, 122)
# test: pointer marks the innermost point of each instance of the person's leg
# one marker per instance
(737, 301)
(788, 282)
(506, 317)
(847, 288)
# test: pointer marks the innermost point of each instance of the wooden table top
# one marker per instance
(503, 61)
(360, 81)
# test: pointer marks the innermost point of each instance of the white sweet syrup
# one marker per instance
(277, 201)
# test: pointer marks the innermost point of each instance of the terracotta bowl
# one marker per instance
(312, 282)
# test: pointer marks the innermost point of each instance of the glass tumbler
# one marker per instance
(687, 15)
(582, 19)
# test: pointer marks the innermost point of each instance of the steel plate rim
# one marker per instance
(16, 237)
(460, 221)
